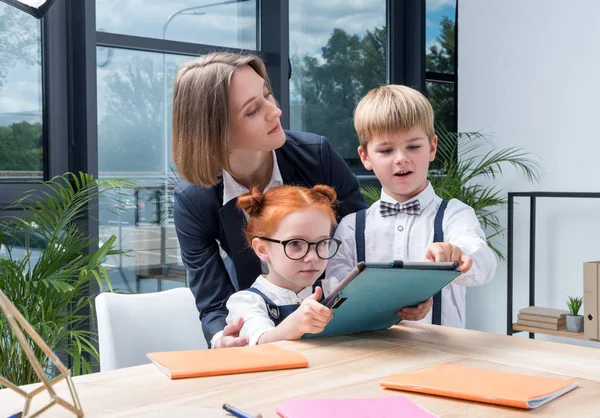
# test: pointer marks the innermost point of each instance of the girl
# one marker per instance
(289, 229)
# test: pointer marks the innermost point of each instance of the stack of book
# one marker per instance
(546, 318)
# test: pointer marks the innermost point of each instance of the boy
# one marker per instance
(397, 141)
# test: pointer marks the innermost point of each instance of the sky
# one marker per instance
(311, 24)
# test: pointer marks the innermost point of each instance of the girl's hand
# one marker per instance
(310, 318)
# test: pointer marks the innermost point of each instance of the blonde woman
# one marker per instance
(227, 139)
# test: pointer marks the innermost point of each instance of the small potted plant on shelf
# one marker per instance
(574, 320)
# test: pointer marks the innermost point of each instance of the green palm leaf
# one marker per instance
(54, 292)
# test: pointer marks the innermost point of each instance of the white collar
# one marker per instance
(424, 198)
(280, 292)
(232, 189)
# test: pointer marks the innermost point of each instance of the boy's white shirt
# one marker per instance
(253, 309)
(407, 237)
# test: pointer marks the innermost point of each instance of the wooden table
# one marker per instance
(347, 367)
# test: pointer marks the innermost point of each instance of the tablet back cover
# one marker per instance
(371, 301)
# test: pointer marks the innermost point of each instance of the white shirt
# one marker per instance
(253, 309)
(232, 189)
(407, 237)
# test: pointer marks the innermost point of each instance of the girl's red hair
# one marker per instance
(267, 209)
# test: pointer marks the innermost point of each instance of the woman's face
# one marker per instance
(255, 124)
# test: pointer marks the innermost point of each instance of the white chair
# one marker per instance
(129, 326)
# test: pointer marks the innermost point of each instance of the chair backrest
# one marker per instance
(129, 326)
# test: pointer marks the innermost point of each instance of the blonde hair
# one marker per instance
(266, 210)
(392, 108)
(201, 120)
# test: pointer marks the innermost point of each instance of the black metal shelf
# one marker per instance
(510, 236)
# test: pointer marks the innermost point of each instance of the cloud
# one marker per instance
(12, 105)
(22, 90)
(435, 5)
(233, 25)
(312, 21)
(311, 24)
(432, 43)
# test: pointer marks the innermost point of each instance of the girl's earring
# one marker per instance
(265, 258)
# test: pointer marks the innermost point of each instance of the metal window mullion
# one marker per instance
(274, 42)
(406, 42)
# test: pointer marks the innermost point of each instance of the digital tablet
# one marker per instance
(369, 298)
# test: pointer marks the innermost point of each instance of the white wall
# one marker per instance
(529, 75)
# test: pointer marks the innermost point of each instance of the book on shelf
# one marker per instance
(543, 325)
(545, 319)
(544, 312)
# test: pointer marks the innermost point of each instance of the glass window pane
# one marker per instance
(441, 96)
(134, 142)
(21, 149)
(230, 23)
(440, 35)
(338, 53)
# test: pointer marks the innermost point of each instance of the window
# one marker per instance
(440, 60)
(227, 23)
(134, 108)
(134, 142)
(338, 53)
(21, 139)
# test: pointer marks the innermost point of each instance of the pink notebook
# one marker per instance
(387, 407)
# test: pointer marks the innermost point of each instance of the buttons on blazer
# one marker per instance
(400, 228)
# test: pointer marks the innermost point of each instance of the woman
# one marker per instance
(227, 138)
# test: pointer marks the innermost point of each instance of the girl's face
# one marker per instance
(255, 124)
(310, 224)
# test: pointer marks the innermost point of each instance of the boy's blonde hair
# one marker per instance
(392, 108)
(201, 120)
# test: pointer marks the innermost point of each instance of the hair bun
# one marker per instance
(326, 192)
(251, 202)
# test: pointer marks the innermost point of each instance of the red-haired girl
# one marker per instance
(290, 230)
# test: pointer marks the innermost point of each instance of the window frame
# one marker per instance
(449, 78)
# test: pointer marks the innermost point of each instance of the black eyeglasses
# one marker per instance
(297, 248)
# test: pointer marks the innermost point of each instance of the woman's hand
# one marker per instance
(231, 336)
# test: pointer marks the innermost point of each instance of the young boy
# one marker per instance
(410, 222)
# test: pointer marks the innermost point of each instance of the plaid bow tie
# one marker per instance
(389, 209)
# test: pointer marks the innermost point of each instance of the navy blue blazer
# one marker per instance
(202, 222)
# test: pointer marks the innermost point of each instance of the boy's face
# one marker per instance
(400, 161)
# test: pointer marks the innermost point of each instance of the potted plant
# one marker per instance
(458, 177)
(51, 269)
(574, 320)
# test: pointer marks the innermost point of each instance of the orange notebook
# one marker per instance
(200, 363)
(489, 386)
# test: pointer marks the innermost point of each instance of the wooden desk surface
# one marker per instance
(345, 367)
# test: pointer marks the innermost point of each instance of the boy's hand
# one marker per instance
(231, 336)
(416, 313)
(310, 317)
(444, 251)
